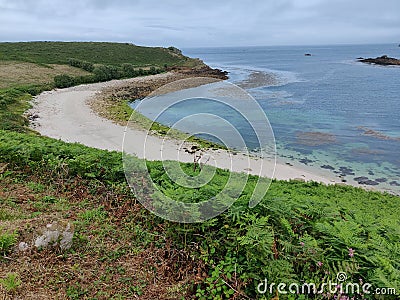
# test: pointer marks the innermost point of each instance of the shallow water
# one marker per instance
(326, 110)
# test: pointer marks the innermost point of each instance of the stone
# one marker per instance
(346, 171)
(327, 167)
(365, 180)
(23, 246)
(305, 161)
(380, 180)
(56, 235)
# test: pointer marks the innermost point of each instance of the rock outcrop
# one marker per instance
(383, 60)
(202, 71)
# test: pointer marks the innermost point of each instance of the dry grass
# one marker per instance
(118, 256)
(23, 73)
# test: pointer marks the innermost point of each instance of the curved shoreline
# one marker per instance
(67, 115)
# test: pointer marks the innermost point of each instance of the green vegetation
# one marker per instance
(26, 69)
(114, 54)
(7, 241)
(120, 250)
(14, 102)
(125, 113)
(300, 232)
(16, 74)
(11, 282)
(85, 65)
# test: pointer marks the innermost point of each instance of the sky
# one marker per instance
(205, 23)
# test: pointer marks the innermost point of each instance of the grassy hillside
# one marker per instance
(14, 74)
(300, 232)
(27, 69)
(99, 53)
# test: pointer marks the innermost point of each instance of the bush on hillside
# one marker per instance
(129, 70)
(85, 65)
(63, 81)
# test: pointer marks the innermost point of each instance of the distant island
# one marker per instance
(383, 60)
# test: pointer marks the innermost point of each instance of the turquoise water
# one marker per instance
(327, 110)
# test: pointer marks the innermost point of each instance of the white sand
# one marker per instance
(65, 114)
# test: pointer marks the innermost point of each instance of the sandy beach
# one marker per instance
(65, 114)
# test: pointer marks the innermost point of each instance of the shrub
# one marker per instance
(153, 71)
(85, 79)
(129, 70)
(13, 102)
(34, 89)
(43, 154)
(105, 73)
(63, 81)
(7, 241)
(175, 50)
(11, 282)
(85, 65)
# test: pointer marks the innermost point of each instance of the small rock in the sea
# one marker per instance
(371, 182)
(371, 173)
(360, 178)
(305, 161)
(328, 167)
(380, 180)
(346, 171)
(289, 164)
(365, 180)
(382, 60)
(394, 183)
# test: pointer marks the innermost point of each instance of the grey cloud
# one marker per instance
(203, 23)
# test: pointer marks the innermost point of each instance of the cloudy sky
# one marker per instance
(192, 23)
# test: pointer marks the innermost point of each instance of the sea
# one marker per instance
(327, 111)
